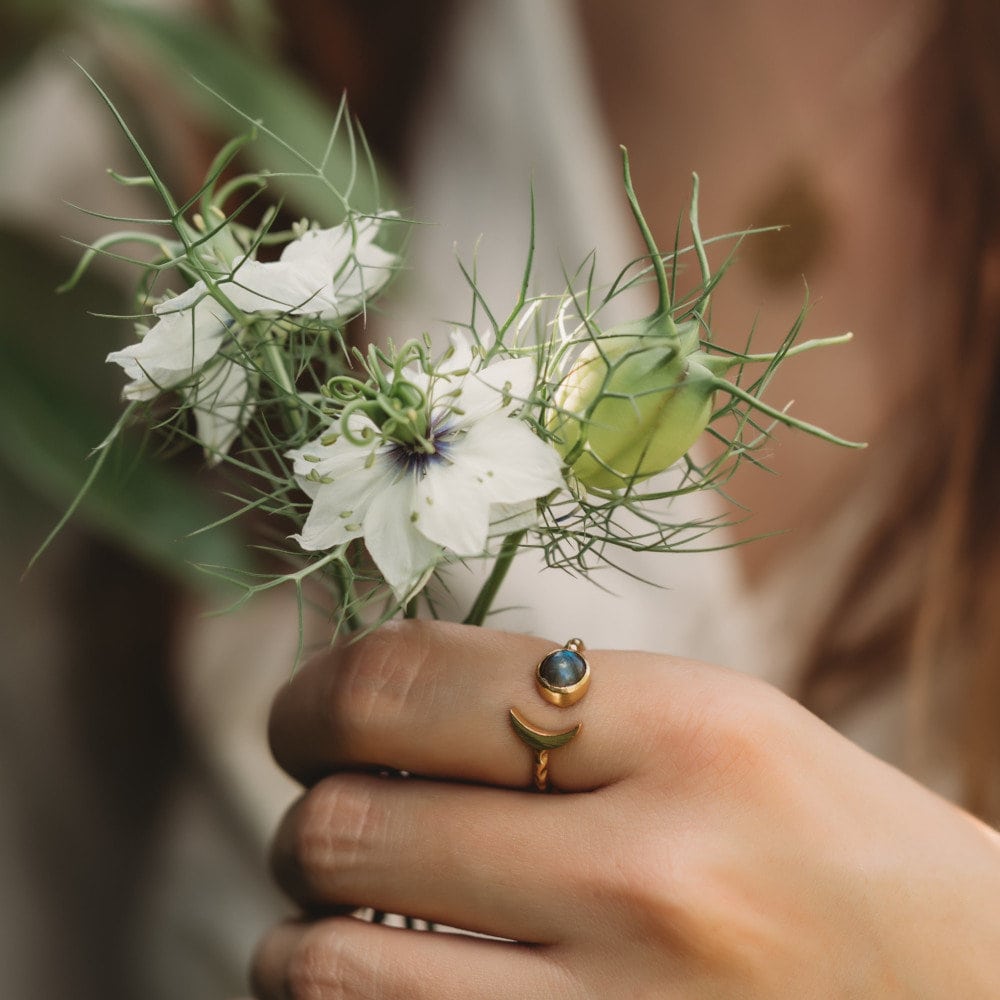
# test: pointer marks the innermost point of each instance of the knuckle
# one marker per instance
(327, 834)
(730, 735)
(374, 680)
(287, 964)
(319, 967)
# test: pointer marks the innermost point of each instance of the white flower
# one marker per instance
(222, 402)
(180, 352)
(188, 333)
(326, 272)
(483, 474)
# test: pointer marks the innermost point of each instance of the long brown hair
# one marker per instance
(944, 627)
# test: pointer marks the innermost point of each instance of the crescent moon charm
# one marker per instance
(541, 742)
(541, 739)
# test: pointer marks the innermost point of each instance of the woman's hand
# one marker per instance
(711, 839)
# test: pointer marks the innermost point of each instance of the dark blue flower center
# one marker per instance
(416, 458)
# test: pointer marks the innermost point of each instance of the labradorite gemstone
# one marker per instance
(561, 669)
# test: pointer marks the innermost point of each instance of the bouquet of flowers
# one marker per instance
(368, 470)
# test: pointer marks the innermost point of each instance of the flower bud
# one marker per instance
(632, 405)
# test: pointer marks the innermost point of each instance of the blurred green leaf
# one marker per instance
(57, 398)
(195, 60)
(57, 401)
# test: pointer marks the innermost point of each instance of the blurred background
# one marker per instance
(133, 823)
(91, 745)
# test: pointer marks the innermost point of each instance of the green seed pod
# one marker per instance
(632, 405)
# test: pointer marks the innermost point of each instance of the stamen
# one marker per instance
(417, 455)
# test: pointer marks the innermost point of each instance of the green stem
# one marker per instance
(101, 453)
(488, 592)
(807, 345)
(346, 588)
(654, 253)
(699, 245)
(782, 417)
(279, 373)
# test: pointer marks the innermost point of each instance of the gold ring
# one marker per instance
(562, 678)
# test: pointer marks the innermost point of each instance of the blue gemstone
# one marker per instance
(562, 669)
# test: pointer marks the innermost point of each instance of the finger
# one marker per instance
(345, 957)
(434, 699)
(512, 859)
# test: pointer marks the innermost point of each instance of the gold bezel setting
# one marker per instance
(563, 695)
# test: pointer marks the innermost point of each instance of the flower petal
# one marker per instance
(484, 391)
(324, 272)
(497, 461)
(222, 403)
(400, 551)
(509, 459)
(519, 373)
(278, 286)
(175, 348)
(336, 460)
(509, 517)
(458, 357)
(323, 530)
(347, 264)
(188, 299)
(329, 248)
(452, 508)
(340, 507)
